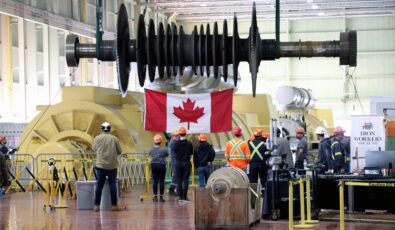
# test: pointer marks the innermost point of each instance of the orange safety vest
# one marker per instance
(237, 153)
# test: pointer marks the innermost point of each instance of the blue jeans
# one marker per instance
(204, 173)
(112, 182)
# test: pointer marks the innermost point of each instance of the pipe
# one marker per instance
(277, 44)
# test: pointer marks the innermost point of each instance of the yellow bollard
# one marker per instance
(302, 224)
(291, 205)
(147, 194)
(341, 204)
(193, 174)
(308, 203)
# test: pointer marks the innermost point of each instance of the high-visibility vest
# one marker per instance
(338, 153)
(256, 150)
(236, 152)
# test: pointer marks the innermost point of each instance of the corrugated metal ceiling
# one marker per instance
(203, 11)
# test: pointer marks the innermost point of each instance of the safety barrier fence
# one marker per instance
(304, 223)
(342, 183)
(29, 173)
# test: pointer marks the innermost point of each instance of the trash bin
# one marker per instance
(105, 202)
(85, 194)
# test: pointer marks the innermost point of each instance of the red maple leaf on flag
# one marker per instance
(188, 113)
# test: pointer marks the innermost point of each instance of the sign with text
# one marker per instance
(367, 134)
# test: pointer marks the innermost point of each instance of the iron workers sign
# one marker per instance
(367, 134)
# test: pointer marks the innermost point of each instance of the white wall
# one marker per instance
(39, 54)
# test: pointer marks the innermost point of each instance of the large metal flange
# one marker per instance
(224, 48)
(254, 41)
(173, 50)
(123, 46)
(160, 53)
(215, 50)
(235, 50)
(194, 47)
(151, 51)
(348, 48)
(72, 42)
(208, 49)
(140, 50)
(167, 50)
(201, 49)
(181, 50)
(352, 39)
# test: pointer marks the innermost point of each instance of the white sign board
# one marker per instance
(367, 134)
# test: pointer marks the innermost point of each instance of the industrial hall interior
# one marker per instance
(197, 114)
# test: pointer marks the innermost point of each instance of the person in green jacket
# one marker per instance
(107, 149)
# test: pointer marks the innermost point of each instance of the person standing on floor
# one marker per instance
(183, 150)
(237, 153)
(202, 158)
(324, 161)
(173, 184)
(301, 149)
(3, 148)
(107, 148)
(259, 155)
(284, 150)
(337, 150)
(158, 167)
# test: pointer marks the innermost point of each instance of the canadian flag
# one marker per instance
(198, 113)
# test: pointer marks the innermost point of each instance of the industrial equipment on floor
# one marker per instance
(171, 49)
(71, 125)
(228, 201)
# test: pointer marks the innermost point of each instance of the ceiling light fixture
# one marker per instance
(314, 6)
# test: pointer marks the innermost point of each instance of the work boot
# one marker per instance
(117, 208)
(172, 192)
(161, 199)
(96, 208)
(155, 199)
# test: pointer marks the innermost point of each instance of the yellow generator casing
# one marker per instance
(71, 125)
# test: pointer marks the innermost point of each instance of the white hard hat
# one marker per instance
(320, 131)
(106, 127)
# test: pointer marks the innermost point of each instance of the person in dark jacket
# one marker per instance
(3, 148)
(259, 155)
(173, 184)
(158, 168)
(202, 159)
(184, 150)
(337, 150)
(324, 161)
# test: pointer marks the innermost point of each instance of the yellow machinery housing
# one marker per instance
(71, 125)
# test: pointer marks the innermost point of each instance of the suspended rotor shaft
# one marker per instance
(170, 50)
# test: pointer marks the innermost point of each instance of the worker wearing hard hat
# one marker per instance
(259, 155)
(183, 150)
(337, 150)
(3, 148)
(107, 148)
(237, 152)
(301, 149)
(284, 150)
(202, 158)
(4, 177)
(175, 136)
(324, 161)
(158, 168)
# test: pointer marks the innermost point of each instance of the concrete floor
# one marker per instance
(25, 211)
